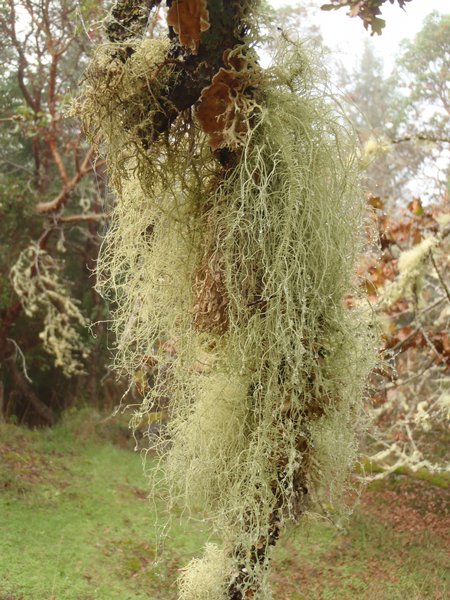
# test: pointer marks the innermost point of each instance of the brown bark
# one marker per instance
(69, 186)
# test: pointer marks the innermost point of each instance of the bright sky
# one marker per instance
(347, 35)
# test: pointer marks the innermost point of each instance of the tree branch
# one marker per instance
(422, 137)
(92, 217)
(440, 276)
(54, 205)
(23, 62)
(22, 385)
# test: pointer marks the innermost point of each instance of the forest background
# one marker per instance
(55, 347)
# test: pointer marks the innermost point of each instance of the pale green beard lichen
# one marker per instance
(120, 99)
(232, 288)
(37, 280)
(411, 265)
(206, 578)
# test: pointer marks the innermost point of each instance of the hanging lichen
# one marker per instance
(411, 265)
(37, 280)
(228, 259)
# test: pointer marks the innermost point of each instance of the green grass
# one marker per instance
(76, 524)
(367, 561)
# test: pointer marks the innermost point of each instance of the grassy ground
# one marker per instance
(76, 524)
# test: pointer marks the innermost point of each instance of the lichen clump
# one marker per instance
(38, 281)
(411, 265)
(206, 578)
(231, 283)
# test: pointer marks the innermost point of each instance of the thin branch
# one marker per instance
(417, 329)
(16, 166)
(22, 356)
(78, 218)
(23, 62)
(421, 137)
(439, 274)
(431, 345)
(52, 144)
(401, 382)
(53, 205)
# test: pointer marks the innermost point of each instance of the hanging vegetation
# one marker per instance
(228, 260)
(37, 280)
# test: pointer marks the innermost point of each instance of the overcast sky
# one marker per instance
(347, 35)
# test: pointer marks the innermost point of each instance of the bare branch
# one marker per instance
(439, 274)
(422, 137)
(53, 205)
(80, 218)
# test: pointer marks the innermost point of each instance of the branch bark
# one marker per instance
(422, 137)
(54, 205)
(90, 218)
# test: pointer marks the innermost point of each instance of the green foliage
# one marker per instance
(407, 113)
(424, 68)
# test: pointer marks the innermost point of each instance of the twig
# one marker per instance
(439, 274)
(78, 218)
(69, 187)
(406, 339)
(431, 345)
(422, 137)
(397, 383)
(21, 354)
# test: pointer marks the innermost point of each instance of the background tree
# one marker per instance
(51, 198)
(295, 20)
(422, 72)
(407, 115)
(409, 290)
(402, 119)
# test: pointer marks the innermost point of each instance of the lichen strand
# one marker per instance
(122, 101)
(205, 578)
(265, 379)
(411, 265)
